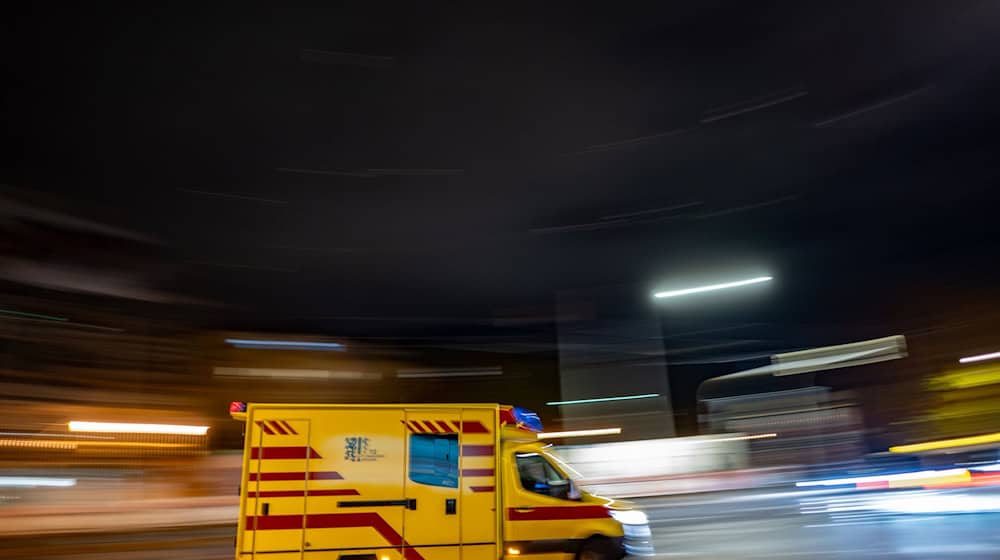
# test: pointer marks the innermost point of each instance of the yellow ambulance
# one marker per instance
(417, 482)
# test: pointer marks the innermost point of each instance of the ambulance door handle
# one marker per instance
(524, 509)
(410, 503)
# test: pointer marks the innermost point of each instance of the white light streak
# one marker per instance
(449, 372)
(125, 428)
(284, 344)
(35, 481)
(605, 399)
(713, 287)
(919, 475)
(926, 503)
(580, 433)
(742, 438)
(314, 374)
(38, 444)
(980, 358)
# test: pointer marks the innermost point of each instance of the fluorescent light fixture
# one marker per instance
(35, 481)
(841, 355)
(605, 399)
(980, 358)
(829, 358)
(580, 433)
(285, 344)
(713, 287)
(124, 428)
(947, 443)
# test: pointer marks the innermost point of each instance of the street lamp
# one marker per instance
(697, 290)
(712, 287)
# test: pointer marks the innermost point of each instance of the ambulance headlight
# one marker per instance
(638, 539)
(630, 517)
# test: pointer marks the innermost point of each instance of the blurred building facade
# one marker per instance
(90, 331)
(605, 352)
(809, 425)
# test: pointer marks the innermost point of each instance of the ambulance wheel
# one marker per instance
(598, 548)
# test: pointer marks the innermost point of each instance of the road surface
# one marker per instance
(789, 524)
(778, 524)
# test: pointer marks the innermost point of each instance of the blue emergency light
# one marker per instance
(527, 419)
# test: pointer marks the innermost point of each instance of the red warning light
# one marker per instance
(237, 406)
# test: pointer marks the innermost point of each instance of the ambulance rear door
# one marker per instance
(276, 484)
(356, 497)
(451, 483)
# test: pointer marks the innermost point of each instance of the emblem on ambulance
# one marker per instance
(358, 448)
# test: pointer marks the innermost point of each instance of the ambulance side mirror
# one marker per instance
(559, 489)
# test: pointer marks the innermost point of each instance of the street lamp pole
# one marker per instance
(682, 292)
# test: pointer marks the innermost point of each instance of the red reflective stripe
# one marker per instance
(288, 427)
(315, 475)
(267, 429)
(430, 426)
(473, 427)
(296, 493)
(477, 472)
(457, 424)
(549, 513)
(273, 522)
(284, 453)
(477, 450)
(444, 426)
(482, 488)
(331, 521)
(415, 427)
(409, 552)
(335, 492)
(325, 475)
(278, 427)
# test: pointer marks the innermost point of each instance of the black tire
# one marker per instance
(599, 548)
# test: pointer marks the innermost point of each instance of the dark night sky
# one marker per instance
(414, 163)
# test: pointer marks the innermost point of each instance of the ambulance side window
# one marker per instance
(434, 459)
(538, 476)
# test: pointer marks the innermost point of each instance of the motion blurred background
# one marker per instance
(425, 204)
